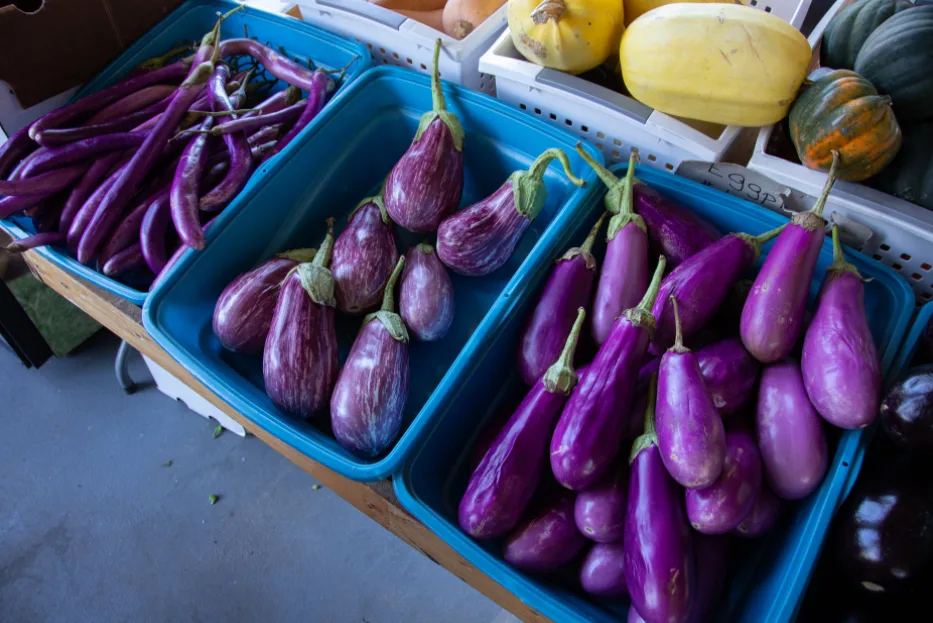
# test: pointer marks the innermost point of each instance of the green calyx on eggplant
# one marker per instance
(528, 187)
(619, 199)
(316, 277)
(439, 110)
(387, 315)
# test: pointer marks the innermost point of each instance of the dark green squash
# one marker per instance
(851, 27)
(910, 175)
(898, 59)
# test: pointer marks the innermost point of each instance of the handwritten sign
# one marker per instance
(738, 181)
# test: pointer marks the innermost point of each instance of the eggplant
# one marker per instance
(279, 65)
(691, 437)
(364, 256)
(633, 616)
(764, 515)
(790, 433)
(243, 312)
(568, 288)
(729, 317)
(774, 313)
(840, 365)
(322, 85)
(426, 296)
(603, 570)
(501, 487)
(677, 232)
(34, 241)
(426, 183)
(907, 410)
(488, 435)
(624, 277)
(730, 374)
(599, 511)
(660, 570)
(712, 562)
(481, 238)
(548, 539)
(591, 426)
(299, 362)
(722, 506)
(702, 283)
(369, 398)
(129, 259)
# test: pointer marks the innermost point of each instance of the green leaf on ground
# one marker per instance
(214, 499)
(218, 431)
(168, 463)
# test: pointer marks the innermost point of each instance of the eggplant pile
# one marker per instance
(692, 426)
(126, 177)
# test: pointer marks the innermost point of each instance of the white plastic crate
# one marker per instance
(393, 39)
(901, 232)
(611, 121)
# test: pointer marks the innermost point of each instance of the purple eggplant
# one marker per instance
(299, 362)
(840, 365)
(591, 426)
(44, 184)
(152, 232)
(600, 510)
(481, 238)
(101, 169)
(129, 259)
(426, 296)
(502, 485)
(36, 240)
(426, 183)
(633, 616)
(720, 507)
(691, 437)
(14, 149)
(184, 196)
(321, 88)
(568, 288)
(244, 310)
(677, 232)
(907, 409)
(712, 561)
(58, 157)
(763, 516)
(659, 562)
(238, 148)
(127, 232)
(279, 65)
(773, 316)
(548, 539)
(369, 398)
(603, 570)
(624, 275)
(790, 432)
(730, 374)
(133, 102)
(364, 256)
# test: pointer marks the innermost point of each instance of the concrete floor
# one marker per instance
(94, 529)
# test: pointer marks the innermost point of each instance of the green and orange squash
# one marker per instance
(848, 31)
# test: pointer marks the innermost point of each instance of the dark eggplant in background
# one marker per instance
(907, 410)
(426, 295)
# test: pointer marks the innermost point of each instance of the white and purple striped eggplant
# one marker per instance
(364, 256)
(426, 296)
(426, 183)
(369, 398)
(299, 363)
(479, 239)
(841, 370)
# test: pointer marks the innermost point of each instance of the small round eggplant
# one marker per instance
(712, 561)
(764, 515)
(600, 510)
(907, 410)
(730, 374)
(369, 397)
(603, 570)
(691, 437)
(790, 433)
(426, 296)
(548, 539)
(841, 369)
(722, 506)
(243, 313)
(364, 256)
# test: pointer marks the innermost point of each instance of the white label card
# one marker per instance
(738, 181)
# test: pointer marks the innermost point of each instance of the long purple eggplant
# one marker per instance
(633, 616)
(321, 88)
(12, 205)
(677, 232)
(624, 276)
(691, 437)
(730, 374)
(137, 100)
(763, 516)
(36, 240)
(659, 561)
(85, 214)
(599, 511)
(502, 485)
(184, 195)
(790, 433)
(712, 561)
(841, 369)
(127, 232)
(590, 428)
(139, 121)
(372, 389)
(548, 539)
(364, 256)
(773, 316)
(568, 288)
(152, 232)
(720, 507)
(273, 62)
(244, 310)
(426, 296)
(129, 259)
(426, 183)
(299, 362)
(481, 238)
(259, 121)
(44, 184)
(79, 193)
(237, 146)
(276, 102)
(14, 149)
(603, 570)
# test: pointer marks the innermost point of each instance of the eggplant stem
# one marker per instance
(561, 378)
(627, 201)
(604, 174)
(343, 70)
(299, 255)
(437, 94)
(678, 329)
(388, 298)
(157, 62)
(830, 180)
(770, 235)
(322, 258)
(650, 435)
(587, 246)
(540, 165)
(223, 113)
(647, 301)
(840, 265)
(839, 256)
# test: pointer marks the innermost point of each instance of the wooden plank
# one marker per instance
(377, 500)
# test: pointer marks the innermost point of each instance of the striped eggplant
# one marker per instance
(603, 570)
(548, 538)
(599, 511)
(730, 374)
(675, 231)
(426, 296)
(764, 515)
(722, 506)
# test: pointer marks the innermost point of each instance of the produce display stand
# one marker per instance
(375, 499)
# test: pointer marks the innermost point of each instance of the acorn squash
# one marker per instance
(846, 33)
(843, 112)
(910, 175)
(721, 63)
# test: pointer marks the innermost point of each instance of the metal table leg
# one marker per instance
(121, 369)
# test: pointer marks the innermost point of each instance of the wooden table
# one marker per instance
(376, 499)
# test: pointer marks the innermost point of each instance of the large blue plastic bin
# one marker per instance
(770, 578)
(905, 355)
(342, 160)
(190, 22)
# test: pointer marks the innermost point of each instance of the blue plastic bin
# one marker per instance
(190, 22)
(769, 580)
(905, 355)
(342, 160)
